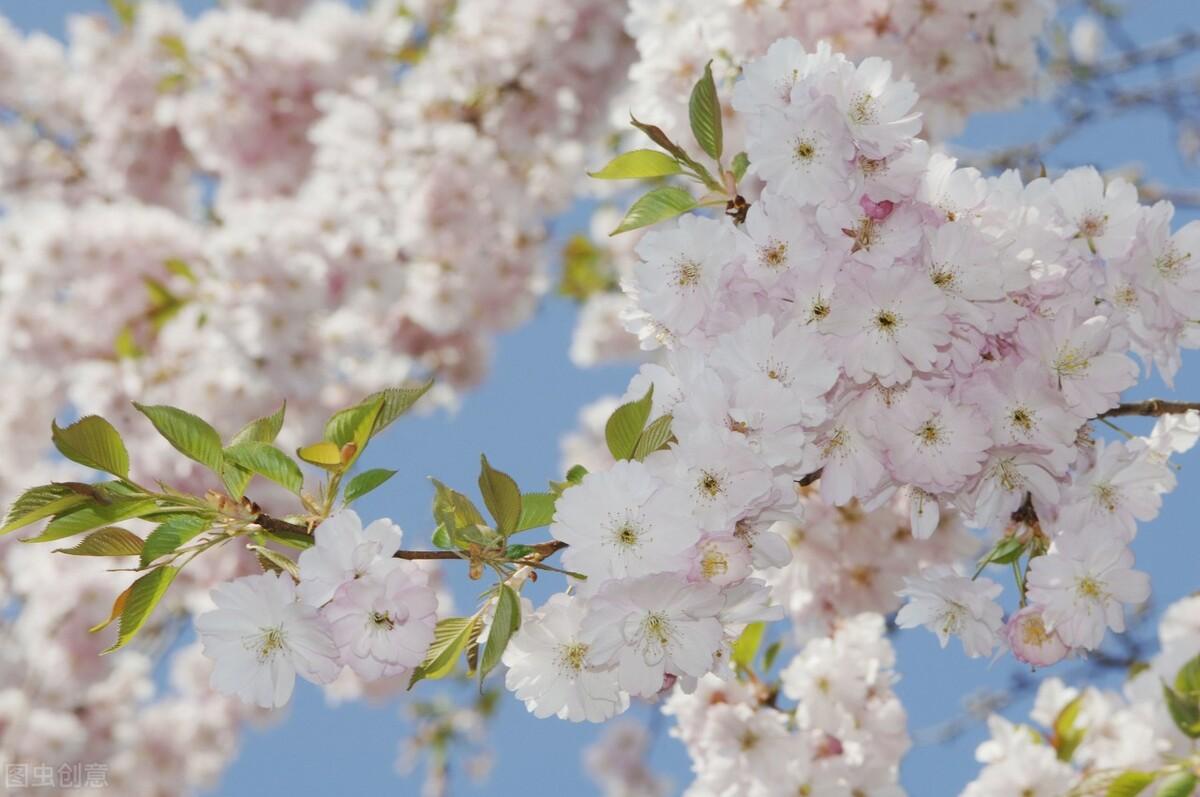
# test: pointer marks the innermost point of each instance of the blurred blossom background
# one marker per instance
(274, 204)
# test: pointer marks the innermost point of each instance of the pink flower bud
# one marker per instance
(1029, 640)
(876, 211)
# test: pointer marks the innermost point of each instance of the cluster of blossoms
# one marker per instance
(964, 57)
(890, 323)
(1092, 737)
(845, 734)
(274, 199)
(617, 762)
(354, 606)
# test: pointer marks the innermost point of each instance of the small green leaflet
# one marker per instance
(144, 595)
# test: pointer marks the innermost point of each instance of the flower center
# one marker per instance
(1033, 631)
(269, 643)
(1107, 496)
(687, 273)
(657, 627)
(572, 656)
(944, 277)
(1023, 419)
(774, 254)
(626, 534)
(1168, 264)
(804, 150)
(714, 564)
(931, 433)
(887, 322)
(710, 484)
(1093, 224)
(382, 620)
(1071, 362)
(748, 740)
(1089, 588)
(862, 110)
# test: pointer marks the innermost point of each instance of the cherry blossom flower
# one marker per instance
(950, 604)
(1082, 585)
(344, 551)
(261, 636)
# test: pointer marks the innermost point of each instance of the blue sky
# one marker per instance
(517, 417)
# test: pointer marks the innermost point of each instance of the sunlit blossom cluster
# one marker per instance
(1113, 730)
(836, 729)
(886, 324)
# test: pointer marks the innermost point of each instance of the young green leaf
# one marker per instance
(663, 140)
(518, 551)
(191, 436)
(449, 639)
(747, 645)
(263, 430)
(125, 11)
(505, 623)
(117, 607)
(365, 482)
(396, 402)
(268, 461)
(93, 516)
(40, 502)
(108, 541)
(1067, 736)
(586, 269)
(576, 473)
(441, 538)
(93, 442)
(275, 562)
(653, 438)
(1005, 551)
(170, 534)
(625, 425)
(740, 164)
(660, 204)
(1184, 710)
(354, 424)
(501, 496)
(1187, 680)
(1129, 784)
(537, 510)
(704, 112)
(638, 165)
(770, 654)
(324, 454)
(144, 595)
(1180, 784)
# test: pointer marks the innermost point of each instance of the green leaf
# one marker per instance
(354, 424)
(441, 538)
(1181, 784)
(191, 436)
(144, 595)
(93, 516)
(770, 654)
(268, 461)
(40, 502)
(125, 11)
(501, 496)
(653, 438)
(176, 48)
(175, 265)
(93, 442)
(1066, 736)
(625, 425)
(1187, 680)
(660, 204)
(297, 540)
(704, 112)
(518, 551)
(1129, 784)
(170, 534)
(263, 430)
(747, 644)
(638, 165)
(1185, 711)
(586, 269)
(455, 512)
(663, 140)
(740, 164)
(449, 638)
(365, 482)
(537, 510)
(275, 562)
(576, 473)
(108, 541)
(396, 402)
(1005, 551)
(117, 607)
(505, 623)
(324, 454)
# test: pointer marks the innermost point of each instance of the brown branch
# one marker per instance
(280, 526)
(1152, 408)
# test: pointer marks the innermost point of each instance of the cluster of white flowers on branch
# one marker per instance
(1141, 739)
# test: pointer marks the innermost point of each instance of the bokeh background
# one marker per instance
(532, 398)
